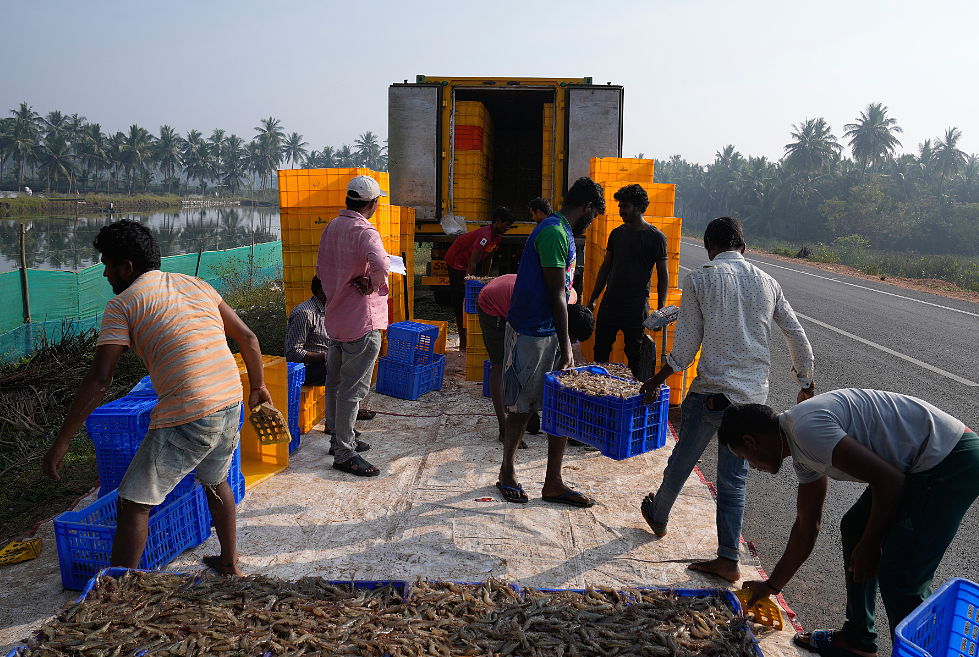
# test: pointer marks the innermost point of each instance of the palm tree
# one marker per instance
(216, 140)
(137, 152)
(24, 137)
(75, 124)
(234, 162)
(117, 158)
(328, 158)
(294, 149)
(57, 159)
(949, 158)
(346, 157)
(369, 150)
(56, 123)
(199, 161)
(814, 145)
(167, 153)
(872, 137)
(91, 149)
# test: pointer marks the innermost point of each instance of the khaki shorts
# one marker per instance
(169, 454)
(526, 361)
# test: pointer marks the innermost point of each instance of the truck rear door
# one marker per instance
(413, 148)
(594, 127)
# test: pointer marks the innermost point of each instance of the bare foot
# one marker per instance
(803, 638)
(720, 566)
(214, 562)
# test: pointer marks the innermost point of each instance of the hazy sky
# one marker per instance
(697, 75)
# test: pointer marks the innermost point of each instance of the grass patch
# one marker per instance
(34, 397)
(22, 206)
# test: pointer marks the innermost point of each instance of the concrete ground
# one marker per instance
(434, 512)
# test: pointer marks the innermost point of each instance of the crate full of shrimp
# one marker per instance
(604, 411)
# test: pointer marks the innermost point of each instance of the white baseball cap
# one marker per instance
(363, 188)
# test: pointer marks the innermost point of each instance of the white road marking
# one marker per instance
(862, 287)
(932, 368)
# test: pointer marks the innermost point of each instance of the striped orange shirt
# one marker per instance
(173, 323)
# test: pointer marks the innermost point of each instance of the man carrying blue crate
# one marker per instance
(635, 249)
(307, 342)
(727, 312)
(353, 268)
(921, 467)
(537, 338)
(469, 250)
(178, 325)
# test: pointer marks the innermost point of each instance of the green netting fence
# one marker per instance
(77, 298)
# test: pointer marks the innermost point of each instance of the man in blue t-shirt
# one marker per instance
(537, 339)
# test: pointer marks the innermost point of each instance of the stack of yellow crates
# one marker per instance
(309, 199)
(475, 348)
(407, 245)
(472, 180)
(613, 174)
(547, 166)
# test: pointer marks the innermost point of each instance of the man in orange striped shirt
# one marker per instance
(178, 326)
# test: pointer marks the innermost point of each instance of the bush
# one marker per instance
(851, 250)
(255, 291)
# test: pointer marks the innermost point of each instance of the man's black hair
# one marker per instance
(724, 233)
(585, 191)
(503, 214)
(128, 240)
(581, 322)
(315, 286)
(635, 195)
(357, 205)
(541, 204)
(740, 420)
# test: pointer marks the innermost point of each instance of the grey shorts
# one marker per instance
(169, 454)
(526, 360)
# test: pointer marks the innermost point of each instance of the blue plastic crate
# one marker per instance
(487, 365)
(471, 304)
(143, 389)
(620, 428)
(404, 381)
(412, 343)
(946, 624)
(84, 538)
(296, 378)
(118, 428)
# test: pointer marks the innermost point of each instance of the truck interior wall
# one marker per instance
(517, 143)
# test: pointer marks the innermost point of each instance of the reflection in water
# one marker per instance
(66, 242)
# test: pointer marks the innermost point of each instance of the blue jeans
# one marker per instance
(349, 366)
(698, 425)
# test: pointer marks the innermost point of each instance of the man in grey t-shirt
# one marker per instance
(920, 464)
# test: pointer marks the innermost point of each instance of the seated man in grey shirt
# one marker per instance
(921, 465)
(307, 341)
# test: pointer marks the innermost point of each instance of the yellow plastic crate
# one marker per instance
(312, 407)
(305, 188)
(475, 359)
(443, 332)
(258, 461)
(615, 169)
(302, 228)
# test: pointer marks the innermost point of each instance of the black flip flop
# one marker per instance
(364, 414)
(567, 498)
(363, 468)
(361, 447)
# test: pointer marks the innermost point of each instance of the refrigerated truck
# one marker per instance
(532, 154)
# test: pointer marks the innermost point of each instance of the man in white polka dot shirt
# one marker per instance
(727, 310)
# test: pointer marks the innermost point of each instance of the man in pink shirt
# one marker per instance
(468, 251)
(353, 269)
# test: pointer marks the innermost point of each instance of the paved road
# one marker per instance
(864, 334)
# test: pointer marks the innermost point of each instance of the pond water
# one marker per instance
(65, 242)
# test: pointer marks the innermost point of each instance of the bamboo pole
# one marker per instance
(200, 254)
(23, 275)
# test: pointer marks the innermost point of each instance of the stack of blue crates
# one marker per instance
(296, 377)
(411, 367)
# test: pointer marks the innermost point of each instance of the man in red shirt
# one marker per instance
(466, 252)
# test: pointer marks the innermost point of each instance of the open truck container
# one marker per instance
(540, 137)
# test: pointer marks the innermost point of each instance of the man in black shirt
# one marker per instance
(633, 250)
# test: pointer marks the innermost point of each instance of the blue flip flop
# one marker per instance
(511, 494)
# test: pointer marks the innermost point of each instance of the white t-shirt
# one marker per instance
(907, 432)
